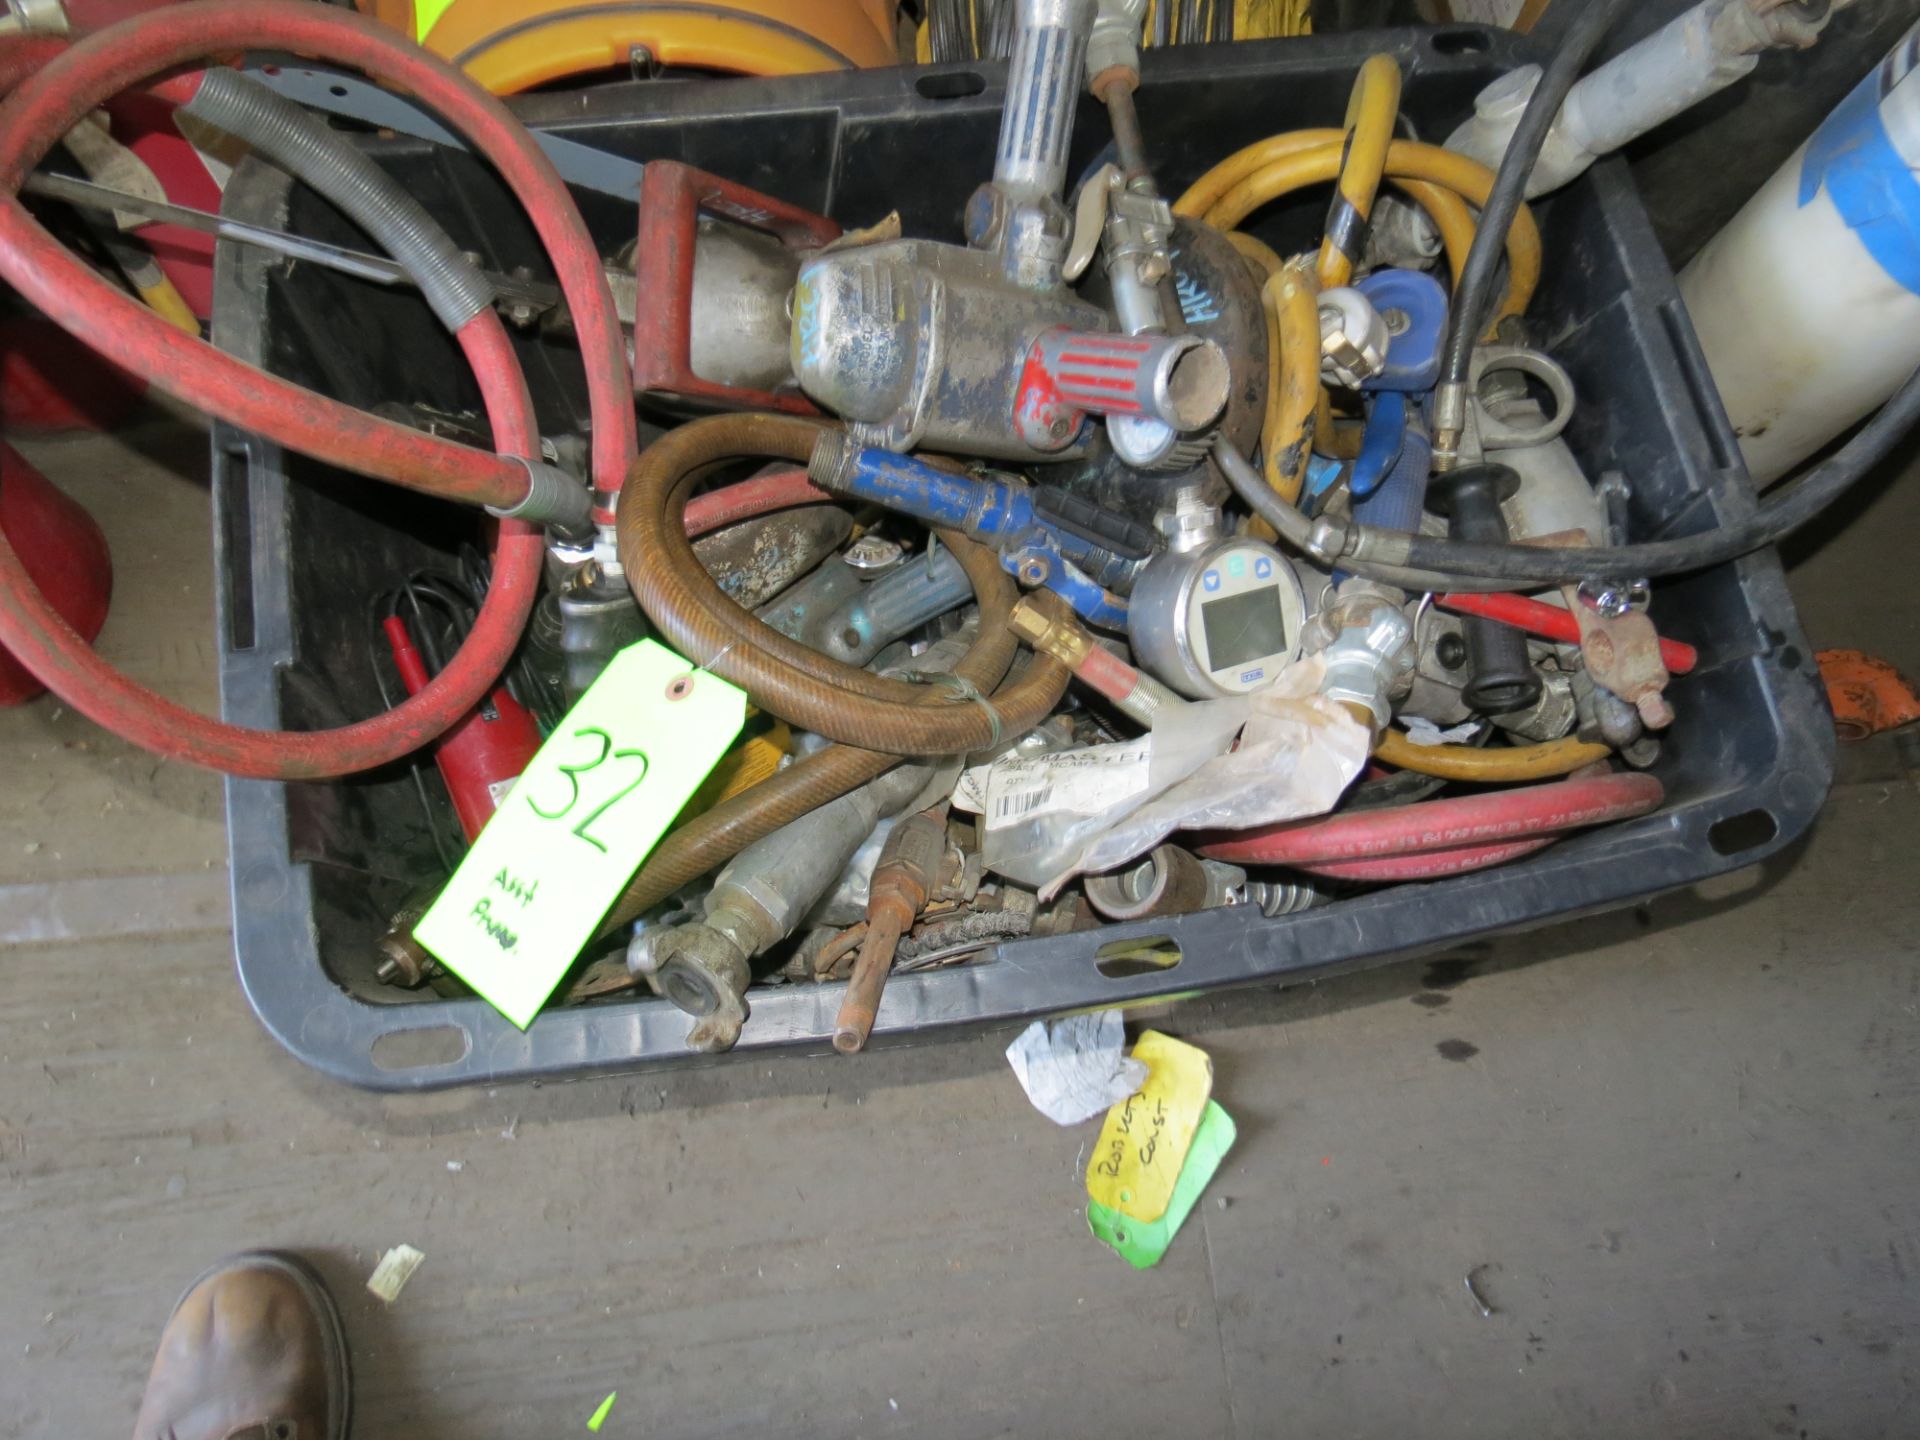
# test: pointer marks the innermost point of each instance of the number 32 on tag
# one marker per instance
(576, 825)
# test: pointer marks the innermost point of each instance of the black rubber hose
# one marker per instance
(1474, 288)
(1301, 533)
(1501, 676)
(1423, 562)
(1777, 518)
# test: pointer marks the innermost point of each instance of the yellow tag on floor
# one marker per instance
(1145, 1139)
(563, 844)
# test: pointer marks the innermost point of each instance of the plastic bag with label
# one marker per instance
(1296, 757)
(1039, 814)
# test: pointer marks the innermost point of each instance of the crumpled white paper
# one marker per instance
(1296, 756)
(1422, 731)
(1076, 1068)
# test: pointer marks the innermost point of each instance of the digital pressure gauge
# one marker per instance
(1223, 619)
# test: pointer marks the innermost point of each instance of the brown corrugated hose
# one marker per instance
(710, 839)
(799, 684)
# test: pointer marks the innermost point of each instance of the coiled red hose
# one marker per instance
(51, 101)
(1429, 864)
(54, 98)
(1468, 823)
(68, 666)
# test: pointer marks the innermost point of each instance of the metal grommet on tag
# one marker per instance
(680, 687)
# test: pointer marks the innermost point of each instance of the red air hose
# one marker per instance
(54, 98)
(777, 489)
(1479, 822)
(1429, 864)
(68, 666)
(1550, 622)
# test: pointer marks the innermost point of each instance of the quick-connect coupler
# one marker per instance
(998, 512)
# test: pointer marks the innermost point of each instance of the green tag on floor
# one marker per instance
(576, 825)
(1141, 1243)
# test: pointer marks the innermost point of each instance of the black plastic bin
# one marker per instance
(316, 868)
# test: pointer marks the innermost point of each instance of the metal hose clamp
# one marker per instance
(553, 498)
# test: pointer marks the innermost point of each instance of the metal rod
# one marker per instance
(377, 268)
(1127, 139)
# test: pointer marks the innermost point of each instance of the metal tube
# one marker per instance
(1127, 139)
(1043, 84)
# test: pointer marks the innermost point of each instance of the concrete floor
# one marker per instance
(1677, 1147)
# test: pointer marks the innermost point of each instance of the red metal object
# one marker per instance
(1550, 622)
(673, 197)
(143, 122)
(1465, 821)
(1041, 414)
(50, 383)
(481, 755)
(144, 125)
(62, 549)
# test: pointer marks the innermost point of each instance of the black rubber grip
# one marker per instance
(1127, 538)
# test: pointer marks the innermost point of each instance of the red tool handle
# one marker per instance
(1550, 622)
(673, 197)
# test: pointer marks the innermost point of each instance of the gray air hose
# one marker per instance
(314, 152)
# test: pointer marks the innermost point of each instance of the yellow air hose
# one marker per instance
(1356, 158)
(1264, 172)
(1494, 763)
(1371, 111)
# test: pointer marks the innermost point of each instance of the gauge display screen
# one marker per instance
(1243, 627)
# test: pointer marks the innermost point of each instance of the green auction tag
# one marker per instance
(577, 824)
(1141, 1243)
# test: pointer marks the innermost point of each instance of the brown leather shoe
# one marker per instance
(254, 1351)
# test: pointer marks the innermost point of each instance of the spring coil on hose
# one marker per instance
(1280, 897)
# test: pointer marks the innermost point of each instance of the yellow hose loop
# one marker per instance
(1367, 131)
(1405, 161)
(1340, 443)
(1291, 300)
(1494, 763)
(1264, 172)
(1261, 257)
(1204, 193)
